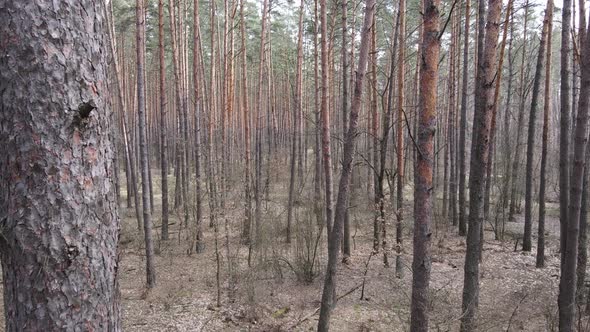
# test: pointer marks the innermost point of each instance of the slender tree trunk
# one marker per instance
(463, 129)
(318, 156)
(564, 126)
(344, 4)
(582, 238)
(528, 208)
(200, 243)
(329, 293)
(400, 139)
(246, 233)
(514, 191)
(147, 220)
(58, 206)
(296, 122)
(507, 139)
(372, 92)
(498, 84)
(484, 104)
(164, 142)
(540, 261)
(259, 134)
(452, 212)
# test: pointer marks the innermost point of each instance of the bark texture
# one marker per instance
(423, 192)
(567, 282)
(484, 103)
(58, 210)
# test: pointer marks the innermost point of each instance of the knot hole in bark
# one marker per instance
(85, 108)
(71, 252)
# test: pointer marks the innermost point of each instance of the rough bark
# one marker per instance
(423, 193)
(58, 206)
(567, 283)
(484, 104)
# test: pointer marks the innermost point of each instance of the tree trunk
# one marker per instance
(58, 205)
(335, 232)
(540, 261)
(296, 142)
(484, 104)
(199, 240)
(147, 218)
(528, 208)
(400, 139)
(317, 148)
(582, 238)
(164, 142)
(487, 197)
(344, 4)
(463, 129)
(514, 191)
(246, 233)
(567, 283)
(564, 124)
(372, 93)
(423, 193)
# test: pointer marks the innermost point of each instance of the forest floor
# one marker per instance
(271, 295)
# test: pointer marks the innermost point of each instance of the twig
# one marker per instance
(410, 134)
(515, 309)
(365, 274)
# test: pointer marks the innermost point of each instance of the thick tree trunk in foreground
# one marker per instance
(423, 193)
(567, 283)
(329, 292)
(486, 74)
(58, 206)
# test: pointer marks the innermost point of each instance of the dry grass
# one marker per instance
(268, 296)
